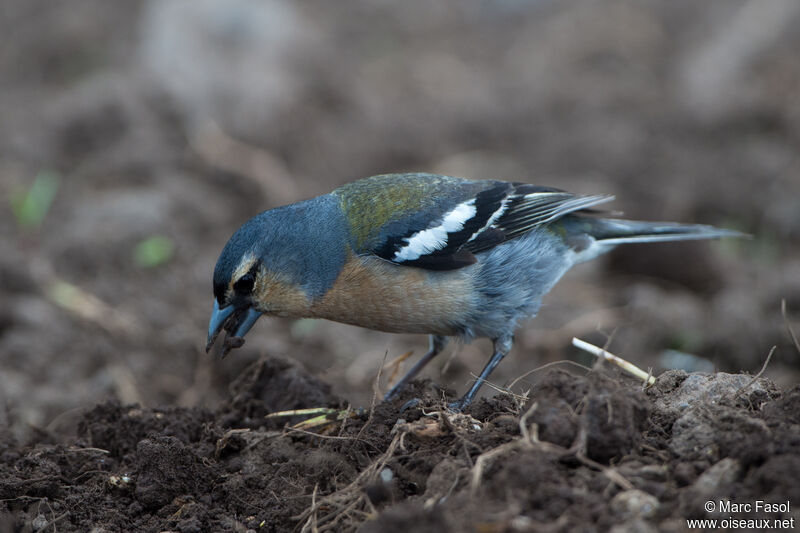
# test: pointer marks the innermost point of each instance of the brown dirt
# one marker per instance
(596, 450)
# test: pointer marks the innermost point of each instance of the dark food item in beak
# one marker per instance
(234, 342)
(235, 322)
(231, 342)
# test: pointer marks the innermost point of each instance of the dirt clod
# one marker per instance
(166, 469)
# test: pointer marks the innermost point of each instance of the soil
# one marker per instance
(583, 452)
(136, 137)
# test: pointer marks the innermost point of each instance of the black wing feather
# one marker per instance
(454, 254)
(487, 202)
(503, 211)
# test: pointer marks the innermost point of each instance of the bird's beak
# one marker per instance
(217, 322)
(235, 322)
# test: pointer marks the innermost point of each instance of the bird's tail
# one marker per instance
(609, 231)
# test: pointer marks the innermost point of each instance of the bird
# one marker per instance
(450, 257)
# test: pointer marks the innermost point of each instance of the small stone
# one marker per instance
(635, 503)
(39, 523)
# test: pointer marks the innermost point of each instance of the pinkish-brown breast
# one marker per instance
(376, 294)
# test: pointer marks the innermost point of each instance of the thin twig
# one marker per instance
(523, 422)
(646, 383)
(302, 412)
(314, 528)
(376, 390)
(347, 498)
(261, 438)
(609, 337)
(480, 462)
(223, 441)
(608, 356)
(376, 385)
(75, 449)
(789, 326)
(520, 398)
(760, 372)
(394, 364)
(345, 418)
(538, 368)
(579, 449)
(607, 471)
(345, 512)
(55, 520)
(330, 437)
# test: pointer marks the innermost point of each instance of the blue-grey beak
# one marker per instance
(215, 325)
(235, 322)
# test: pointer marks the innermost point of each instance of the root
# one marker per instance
(789, 326)
(760, 372)
(347, 500)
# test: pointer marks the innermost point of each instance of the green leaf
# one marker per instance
(31, 206)
(153, 251)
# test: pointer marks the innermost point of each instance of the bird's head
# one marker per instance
(255, 275)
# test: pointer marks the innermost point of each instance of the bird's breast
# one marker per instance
(376, 294)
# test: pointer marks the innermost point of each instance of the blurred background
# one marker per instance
(135, 137)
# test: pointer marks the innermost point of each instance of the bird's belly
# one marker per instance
(376, 294)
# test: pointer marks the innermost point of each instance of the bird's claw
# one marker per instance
(458, 405)
(410, 404)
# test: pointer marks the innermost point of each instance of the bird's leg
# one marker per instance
(437, 344)
(502, 346)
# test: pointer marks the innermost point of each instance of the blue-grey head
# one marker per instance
(276, 264)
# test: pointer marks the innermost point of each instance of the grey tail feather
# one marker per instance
(614, 231)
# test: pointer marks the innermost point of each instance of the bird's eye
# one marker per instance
(244, 285)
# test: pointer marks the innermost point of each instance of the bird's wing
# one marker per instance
(528, 206)
(440, 223)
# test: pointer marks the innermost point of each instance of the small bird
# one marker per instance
(419, 253)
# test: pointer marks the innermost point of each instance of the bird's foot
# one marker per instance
(410, 404)
(458, 405)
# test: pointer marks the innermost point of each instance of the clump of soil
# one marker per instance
(582, 449)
